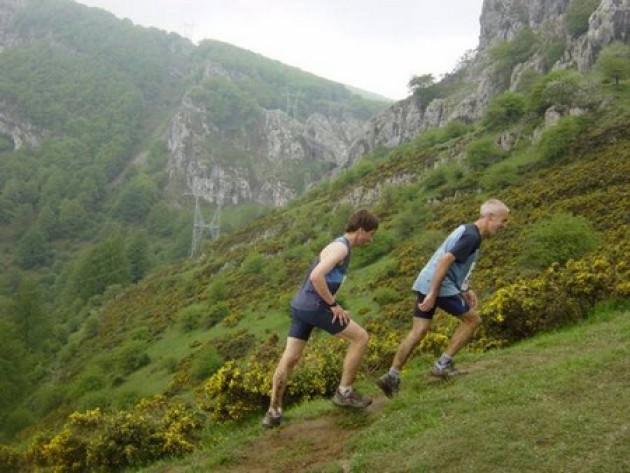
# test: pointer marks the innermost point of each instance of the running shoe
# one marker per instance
(446, 371)
(352, 399)
(270, 421)
(388, 384)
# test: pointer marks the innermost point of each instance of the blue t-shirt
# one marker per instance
(463, 243)
(307, 298)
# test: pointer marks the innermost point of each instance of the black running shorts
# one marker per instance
(304, 321)
(454, 305)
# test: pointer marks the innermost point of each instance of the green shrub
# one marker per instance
(89, 380)
(528, 78)
(614, 61)
(456, 128)
(382, 243)
(504, 110)
(553, 51)
(483, 152)
(435, 178)
(205, 363)
(17, 420)
(236, 345)
(218, 290)
(189, 318)
(253, 264)
(557, 239)
(499, 177)
(564, 90)
(215, 314)
(386, 295)
(507, 54)
(557, 141)
(169, 364)
(94, 399)
(411, 219)
(132, 357)
(577, 16)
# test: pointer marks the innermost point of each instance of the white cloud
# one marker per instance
(373, 45)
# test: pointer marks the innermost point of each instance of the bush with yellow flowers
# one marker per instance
(241, 387)
(562, 294)
(11, 460)
(96, 440)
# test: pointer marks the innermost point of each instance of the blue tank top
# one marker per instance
(307, 297)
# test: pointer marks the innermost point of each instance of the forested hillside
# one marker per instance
(85, 205)
(129, 352)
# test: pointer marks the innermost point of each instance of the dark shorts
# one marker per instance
(304, 321)
(454, 305)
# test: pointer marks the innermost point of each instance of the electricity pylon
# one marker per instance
(199, 226)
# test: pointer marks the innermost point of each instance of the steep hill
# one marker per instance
(550, 404)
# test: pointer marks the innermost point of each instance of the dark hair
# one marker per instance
(362, 219)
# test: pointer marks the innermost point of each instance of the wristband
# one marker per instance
(334, 304)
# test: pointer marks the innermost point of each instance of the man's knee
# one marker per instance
(418, 333)
(362, 336)
(471, 318)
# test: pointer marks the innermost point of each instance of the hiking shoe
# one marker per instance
(446, 371)
(270, 421)
(352, 399)
(388, 384)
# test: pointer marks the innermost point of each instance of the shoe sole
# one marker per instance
(273, 424)
(339, 404)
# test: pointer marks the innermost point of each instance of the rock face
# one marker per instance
(265, 162)
(20, 132)
(500, 21)
(7, 8)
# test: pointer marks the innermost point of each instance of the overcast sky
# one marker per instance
(374, 45)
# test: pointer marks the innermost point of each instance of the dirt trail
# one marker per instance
(300, 445)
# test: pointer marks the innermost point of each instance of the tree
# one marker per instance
(12, 365)
(102, 265)
(72, 219)
(28, 316)
(33, 250)
(504, 110)
(138, 256)
(614, 61)
(136, 199)
(424, 88)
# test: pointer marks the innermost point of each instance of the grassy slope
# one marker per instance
(552, 403)
(575, 186)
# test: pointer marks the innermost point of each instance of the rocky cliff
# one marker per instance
(267, 161)
(500, 20)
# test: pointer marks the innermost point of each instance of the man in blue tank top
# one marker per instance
(443, 283)
(314, 305)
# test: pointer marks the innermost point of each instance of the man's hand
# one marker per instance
(471, 298)
(428, 302)
(340, 314)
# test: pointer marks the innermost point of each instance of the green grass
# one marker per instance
(557, 402)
